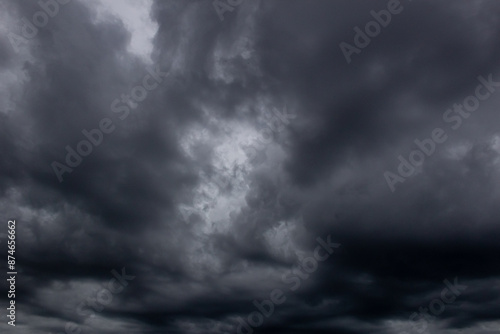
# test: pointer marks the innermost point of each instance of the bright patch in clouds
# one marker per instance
(135, 16)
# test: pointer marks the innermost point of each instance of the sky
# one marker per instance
(250, 166)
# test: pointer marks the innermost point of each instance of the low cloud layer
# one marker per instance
(222, 167)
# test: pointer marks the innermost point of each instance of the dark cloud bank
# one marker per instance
(242, 148)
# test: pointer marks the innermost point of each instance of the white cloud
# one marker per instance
(135, 16)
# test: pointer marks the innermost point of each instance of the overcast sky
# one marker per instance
(174, 166)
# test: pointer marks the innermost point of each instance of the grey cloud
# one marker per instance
(193, 143)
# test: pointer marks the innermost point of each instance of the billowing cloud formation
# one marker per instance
(221, 167)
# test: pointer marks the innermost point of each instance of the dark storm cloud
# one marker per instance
(321, 175)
